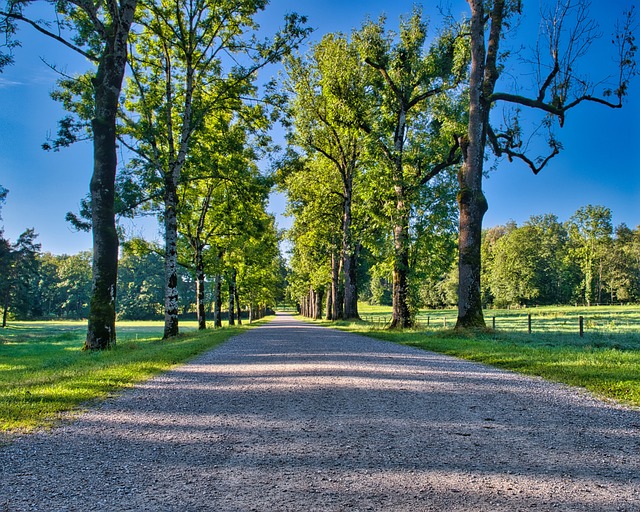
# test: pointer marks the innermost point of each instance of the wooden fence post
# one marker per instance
(581, 326)
(493, 323)
(529, 322)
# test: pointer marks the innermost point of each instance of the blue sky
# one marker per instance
(600, 163)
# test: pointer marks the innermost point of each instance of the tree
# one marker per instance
(407, 84)
(327, 110)
(20, 265)
(568, 33)
(181, 74)
(98, 31)
(590, 230)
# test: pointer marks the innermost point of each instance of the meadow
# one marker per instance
(44, 373)
(606, 360)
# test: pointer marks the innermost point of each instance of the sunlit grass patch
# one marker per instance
(44, 372)
(606, 360)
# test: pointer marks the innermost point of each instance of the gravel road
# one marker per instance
(295, 417)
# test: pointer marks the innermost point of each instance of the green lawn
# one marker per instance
(44, 372)
(605, 361)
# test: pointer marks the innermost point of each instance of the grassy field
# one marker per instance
(606, 360)
(44, 372)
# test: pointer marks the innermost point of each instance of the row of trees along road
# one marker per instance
(386, 123)
(36, 285)
(584, 260)
(188, 61)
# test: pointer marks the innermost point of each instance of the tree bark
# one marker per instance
(217, 308)
(401, 315)
(348, 253)
(471, 199)
(329, 304)
(335, 286)
(200, 279)
(107, 83)
(232, 293)
(171, 256)
(237, 296)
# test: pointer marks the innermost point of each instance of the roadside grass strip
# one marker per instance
(44, 373)
(605, 361)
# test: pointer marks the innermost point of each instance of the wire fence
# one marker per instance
(580, 321)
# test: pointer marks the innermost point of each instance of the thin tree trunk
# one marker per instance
(200, 306)
(5, 308)
(232, 293)
(329, 304)
(237, 296)
(335, 286)
(101, 331)
(217, 308)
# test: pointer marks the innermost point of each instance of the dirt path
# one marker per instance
(293, 417)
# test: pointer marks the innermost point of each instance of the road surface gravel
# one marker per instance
(295, 417)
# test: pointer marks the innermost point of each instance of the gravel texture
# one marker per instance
(295, 417)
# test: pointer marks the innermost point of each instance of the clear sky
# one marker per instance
(600, 163)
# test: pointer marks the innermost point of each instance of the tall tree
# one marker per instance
(327, 110)
(568, 32)
(590, 229)
(20, 275)
(181, 73)
(98, 31)
(408, 79)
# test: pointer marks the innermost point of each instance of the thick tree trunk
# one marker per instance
(318, 304)
(200, 306)
(107, 83)
(348, 252)
(401, 315)
(171, 256)
(471, 199)
(217, 307)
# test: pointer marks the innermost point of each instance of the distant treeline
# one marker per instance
(47, 286)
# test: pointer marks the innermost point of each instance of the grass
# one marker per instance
(44, 373)
(606, 361)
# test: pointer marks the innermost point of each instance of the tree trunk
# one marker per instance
(232, 294)
(348, 252)
(401, 315)
(199, 261)
(217, 307)
(471, 199)
(329, 304)
(238, 308)
(5, 308)
(107, 83)
(335, 286)
(171, 256)
(318, 304)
